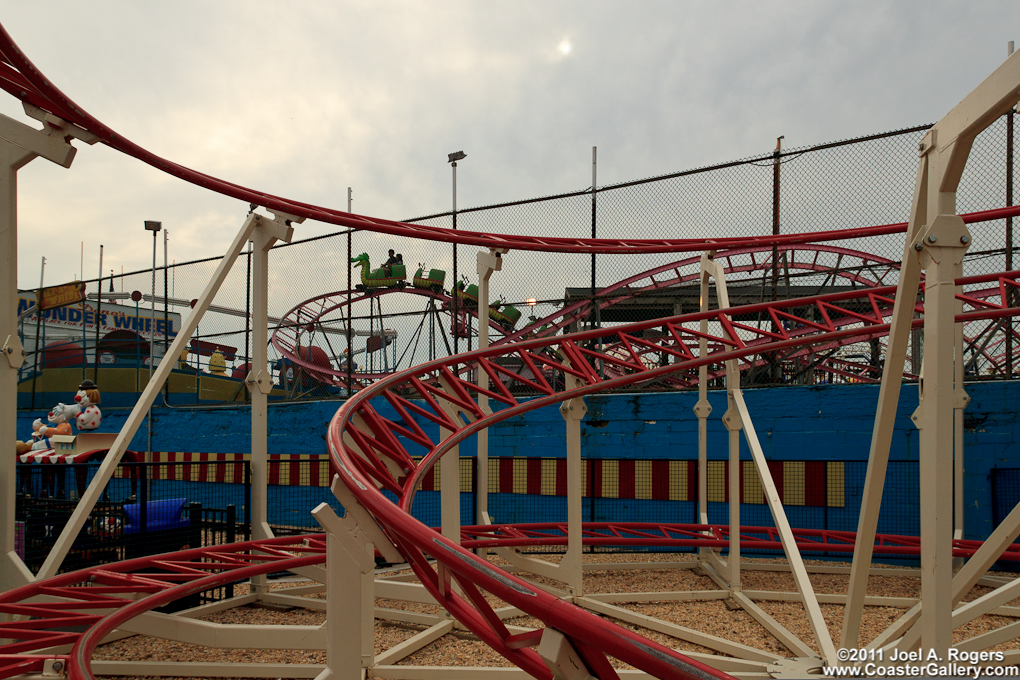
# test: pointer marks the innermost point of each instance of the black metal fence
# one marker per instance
(188, 505)
(144, 511)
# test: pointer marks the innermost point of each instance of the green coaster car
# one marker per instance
(385, 277)
(434, 281)
(505, 315)
(467, 295)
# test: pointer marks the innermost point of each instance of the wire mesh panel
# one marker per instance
(336, 326)
(1005, 492)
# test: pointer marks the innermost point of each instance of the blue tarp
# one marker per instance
(159, 515)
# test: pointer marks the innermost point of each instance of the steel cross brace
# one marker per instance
(936, 240)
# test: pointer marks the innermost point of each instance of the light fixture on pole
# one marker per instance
(155, 228)
(452, 159)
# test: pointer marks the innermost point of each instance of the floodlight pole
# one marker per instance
(452, 160)
(155, 227)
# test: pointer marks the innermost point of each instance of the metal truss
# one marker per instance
(574, 640)
(298, 326)
(370, 449)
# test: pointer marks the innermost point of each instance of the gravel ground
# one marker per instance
(713, 617)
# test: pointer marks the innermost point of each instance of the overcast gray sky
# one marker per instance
(306, 99)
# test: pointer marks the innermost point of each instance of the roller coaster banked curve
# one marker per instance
(852, 266)
(855, 267)
(366, 449)
(374, 439)
(72, 599)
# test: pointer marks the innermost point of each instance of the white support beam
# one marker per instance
(703, 409)
(992, 638)
(259, 380)
(800, 576)
(731, 420)
(358, 521)
(196, 669)
(561, 658)
(405, 592)
(487, 262)
(449, 470)
(661, 596)
(960, 401)
(955, 133)
(404, 616)
(885, 415)
(350, 607)
(776, 629)
(19, 144)
(571, 567)
(408, 647)
(223, 636)
(945, 242)
(712, 642)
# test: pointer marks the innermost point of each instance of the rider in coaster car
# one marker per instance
(388, 264)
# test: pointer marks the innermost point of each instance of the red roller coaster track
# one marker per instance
(20, 77)
(362, 442)
(844, 264)
(855, 267)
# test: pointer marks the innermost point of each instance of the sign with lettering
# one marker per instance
(110, 317)
(61, 296)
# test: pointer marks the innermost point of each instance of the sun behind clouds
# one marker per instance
(565, 47)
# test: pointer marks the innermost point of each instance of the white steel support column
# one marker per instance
(259, 381)
(573, 411)
(944, 153)
(885, 417)
(19, 144)
(570, 569)
(703, 409)
(350, 584)
(488, 262)
(937, 417)
(960, 401)
(731, 419)
(449, 471)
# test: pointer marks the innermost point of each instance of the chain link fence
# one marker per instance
(325, 320)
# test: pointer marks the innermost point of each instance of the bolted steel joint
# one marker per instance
(932, 238)
(918, 247)
(965, 239)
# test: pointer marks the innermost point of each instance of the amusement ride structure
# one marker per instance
(53, 622)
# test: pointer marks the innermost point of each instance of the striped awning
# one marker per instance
(53, 456)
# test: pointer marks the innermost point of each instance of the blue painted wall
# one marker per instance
(793, 423)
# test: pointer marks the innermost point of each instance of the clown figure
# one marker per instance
(87, 398)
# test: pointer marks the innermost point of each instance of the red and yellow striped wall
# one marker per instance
(284, 470)
(807, 483)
